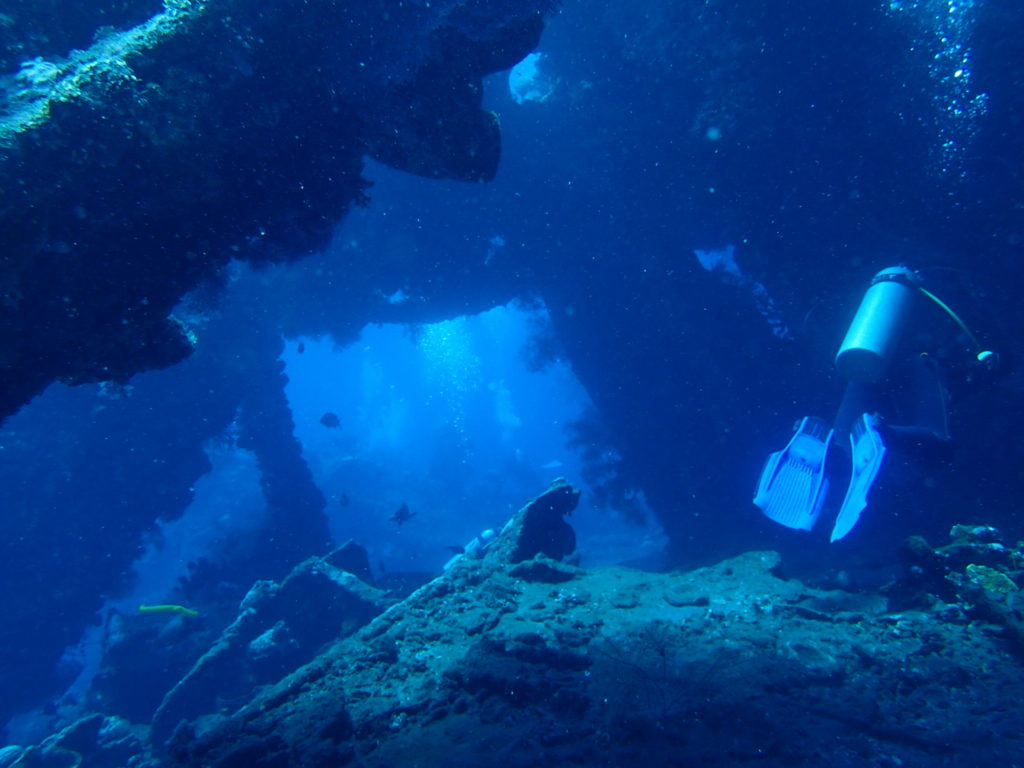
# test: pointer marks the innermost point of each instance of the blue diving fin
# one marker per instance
(867, 452)
(793, 485)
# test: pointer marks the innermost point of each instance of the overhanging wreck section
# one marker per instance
(131, 171)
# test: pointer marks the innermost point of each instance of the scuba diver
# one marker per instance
(892, 395)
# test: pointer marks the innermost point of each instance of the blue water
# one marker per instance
(476, 341)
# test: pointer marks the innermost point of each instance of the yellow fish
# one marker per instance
(167, 609)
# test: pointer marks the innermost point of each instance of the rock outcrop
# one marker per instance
(515, 656)
(131, 171)
(539, 662)
(279, 628)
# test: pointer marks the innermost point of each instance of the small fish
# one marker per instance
(301, 348)
(330, 420)
(402, 515)
(343, 500)
(168, 609)
(456, 549)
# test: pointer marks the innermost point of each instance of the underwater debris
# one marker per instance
(975, 575)
(544, 662)
(279, 627)
(547, 663)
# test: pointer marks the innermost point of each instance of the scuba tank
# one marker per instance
(875, 331)
(876, 328)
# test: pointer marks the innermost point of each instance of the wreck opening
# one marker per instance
(460, 420)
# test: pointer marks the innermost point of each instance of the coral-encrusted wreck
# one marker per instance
(132, 170)
(516, 657)
(519, 658)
